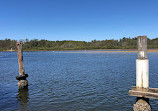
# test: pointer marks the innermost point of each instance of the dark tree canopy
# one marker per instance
(35, 44)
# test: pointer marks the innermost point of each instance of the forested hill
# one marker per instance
(31, 45)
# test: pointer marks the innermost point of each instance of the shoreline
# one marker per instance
(89, 50)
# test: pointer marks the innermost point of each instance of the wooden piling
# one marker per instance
(142, 77)
(23, 83)
(142, 47)
(20, 58)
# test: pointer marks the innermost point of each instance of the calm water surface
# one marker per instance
(65, 81)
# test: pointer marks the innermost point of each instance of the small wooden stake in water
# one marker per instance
(20, 58)
(23, 83)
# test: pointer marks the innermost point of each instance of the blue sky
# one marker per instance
(84, 20)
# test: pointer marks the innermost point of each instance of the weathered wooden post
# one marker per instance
(23, 83)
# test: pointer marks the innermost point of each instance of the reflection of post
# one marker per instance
(23, 97)
(23, 83)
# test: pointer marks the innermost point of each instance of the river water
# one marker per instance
(72, 81)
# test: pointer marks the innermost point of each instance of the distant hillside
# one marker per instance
(28, 45)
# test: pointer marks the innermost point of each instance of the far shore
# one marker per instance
(112, 50)
(90, 51)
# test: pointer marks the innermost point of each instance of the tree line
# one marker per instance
(35, 44)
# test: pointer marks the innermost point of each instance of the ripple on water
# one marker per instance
(62, 81)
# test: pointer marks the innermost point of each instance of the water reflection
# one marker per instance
(23, 98)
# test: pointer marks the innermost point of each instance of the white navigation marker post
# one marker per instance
(142, 90)
(142, 64)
